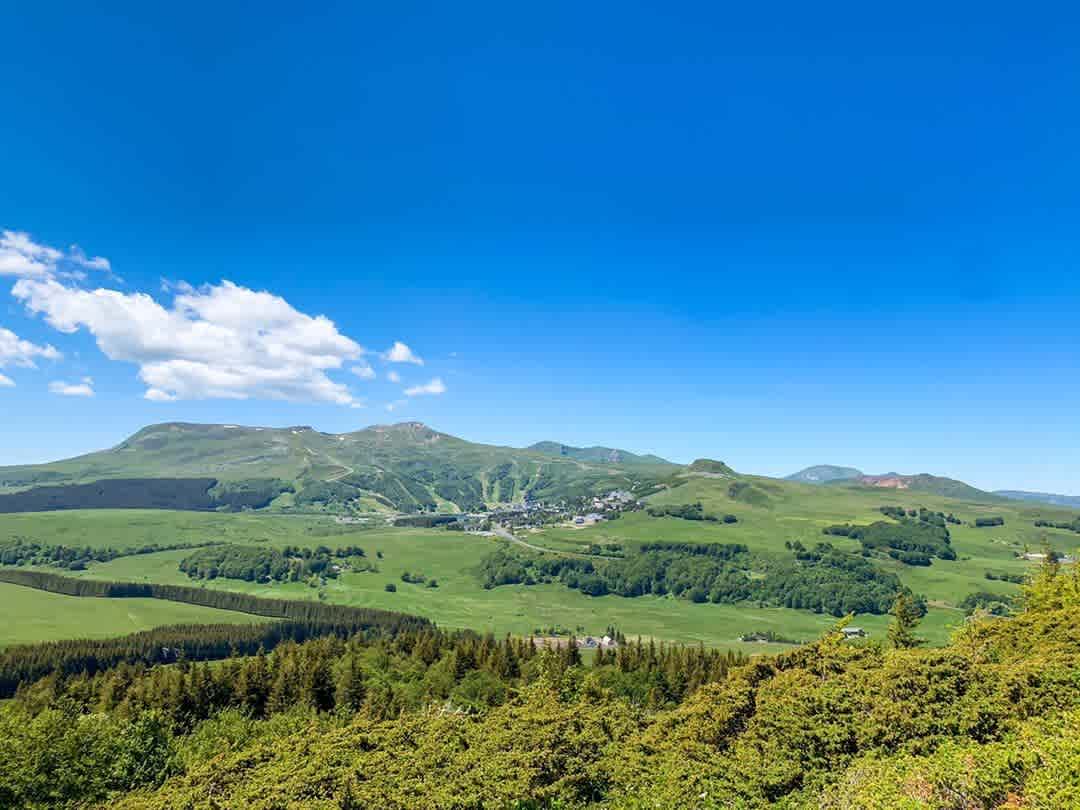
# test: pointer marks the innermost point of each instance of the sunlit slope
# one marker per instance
(772, 513)
(407, 466)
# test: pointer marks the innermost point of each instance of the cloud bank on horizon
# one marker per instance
(216, 341)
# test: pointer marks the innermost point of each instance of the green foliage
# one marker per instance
(995, 604)
(1005, 576)
(689, 511)
(912, 541)
(59, 757)
(1068, 525)
(261, 564)
(23, 551)
(824, 580)
(147, 493)
(22, 663)
(906, 615)
(429, 720)
(746, 492)
(984, 522)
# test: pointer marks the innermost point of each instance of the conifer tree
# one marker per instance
(905, 619)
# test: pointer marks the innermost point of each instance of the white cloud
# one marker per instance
(14, 351)
(435, 387)
(400, 353)
(222, 341)
(21, 256)
(6, 382)
(397, 403)
(80, 389)
(393, 376)
(363, 371)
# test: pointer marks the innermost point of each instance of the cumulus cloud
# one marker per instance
(363, 371)
(22, 257)
(393, 376)
(79, 389)
(215, 341)
(400, 353)
(433, 388)
(14, 351)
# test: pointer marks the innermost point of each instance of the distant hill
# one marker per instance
(602, 455)
(407, 467)
(708, 466)
(922, 482)
(1070, 501)
(824, 473)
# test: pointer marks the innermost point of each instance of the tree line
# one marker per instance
(262, 564)
(910, 540)
(196, 494)
(824, 579)
(21, 551)
(307, 618)
(1069, 525)
(689, 511)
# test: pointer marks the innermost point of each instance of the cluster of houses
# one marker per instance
(583, 643)
(529, 513)
(1035, 556)
(618, 500)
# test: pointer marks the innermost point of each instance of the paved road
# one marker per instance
(509, 536)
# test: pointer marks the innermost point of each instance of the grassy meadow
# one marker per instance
(31, 615)
(781, 512)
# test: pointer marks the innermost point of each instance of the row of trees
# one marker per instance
(824, 579)
(23, 551)
(303, 619)
(922, 514)
(263, 564)
(689, 511)
(199, 494)
(1069, 525)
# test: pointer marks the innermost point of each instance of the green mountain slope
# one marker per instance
(606, 455)
(407, 466)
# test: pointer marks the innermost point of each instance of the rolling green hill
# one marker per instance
(406, 467)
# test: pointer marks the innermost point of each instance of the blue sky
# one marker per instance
(777, 237)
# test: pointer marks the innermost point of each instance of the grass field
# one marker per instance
(31, 615)
(787, 512)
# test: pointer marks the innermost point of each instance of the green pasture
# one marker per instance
(783, 512)
(30, 615)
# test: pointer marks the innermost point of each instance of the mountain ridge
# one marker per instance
(406, 466)
(833, 475)
(1051, 498)
(823, 473)
(598, 453)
